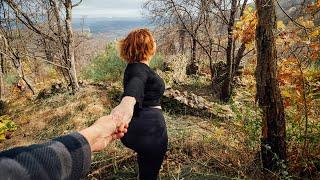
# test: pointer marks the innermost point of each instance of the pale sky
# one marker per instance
(109, 8)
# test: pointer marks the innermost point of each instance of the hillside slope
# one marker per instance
(199, 147)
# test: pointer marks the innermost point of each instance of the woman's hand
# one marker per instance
(103, 131)
(124, 111)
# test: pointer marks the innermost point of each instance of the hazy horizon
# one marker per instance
(109, 9)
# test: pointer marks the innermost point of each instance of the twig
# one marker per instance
(294, 21)
(110, 165)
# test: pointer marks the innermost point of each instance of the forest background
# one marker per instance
(242, 83)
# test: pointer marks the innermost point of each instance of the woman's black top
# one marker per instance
(142, 83)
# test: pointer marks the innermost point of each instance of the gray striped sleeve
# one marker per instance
(66, 157)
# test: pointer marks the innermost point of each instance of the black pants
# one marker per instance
(147, 135)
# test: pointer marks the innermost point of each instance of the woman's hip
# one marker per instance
(147, 131)
(147, 122)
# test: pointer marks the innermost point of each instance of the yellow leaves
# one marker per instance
(245, 27)
(315, 33)
(249, 11)
(280, 25)
(6, 125)
(306, 22)
(250, 45)
(286, 94)
(219, 132)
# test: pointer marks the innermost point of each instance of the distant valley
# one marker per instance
(111, 28)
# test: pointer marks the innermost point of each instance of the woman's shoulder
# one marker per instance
(140, 68)
(137, 66)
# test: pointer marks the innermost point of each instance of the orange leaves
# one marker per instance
(314, 53)
(300, 84)
(245, 27)
(290, 80)
(314, 6)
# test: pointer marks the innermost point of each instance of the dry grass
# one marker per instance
(58, 115)
(199, 148)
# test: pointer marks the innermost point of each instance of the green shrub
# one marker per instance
(109, 67)
(11, 78)
(157, 62)
(106, 67)
(6, 125)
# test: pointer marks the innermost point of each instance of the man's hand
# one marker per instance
(103, 131)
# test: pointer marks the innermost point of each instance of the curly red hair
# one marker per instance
(138, 46)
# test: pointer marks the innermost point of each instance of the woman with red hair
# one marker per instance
(140, 105)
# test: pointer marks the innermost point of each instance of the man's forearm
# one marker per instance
(66, 157)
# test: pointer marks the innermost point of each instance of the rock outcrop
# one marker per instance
(189, 103)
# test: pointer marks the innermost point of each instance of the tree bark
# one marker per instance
(268, 93)
(19, 66)
(193, 66)
(1, 78)
(238, 58)
(227, 84)
(70, 48)
(182, 37)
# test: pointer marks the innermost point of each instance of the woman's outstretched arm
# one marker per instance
(124, 111)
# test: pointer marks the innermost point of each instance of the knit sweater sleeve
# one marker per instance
(66, 157)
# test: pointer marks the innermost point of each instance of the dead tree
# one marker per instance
(186, 16)
(273, 144)
(204, 21)
(12, 50)
(56, 28)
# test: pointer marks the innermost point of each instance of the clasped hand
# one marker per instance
(111, 127)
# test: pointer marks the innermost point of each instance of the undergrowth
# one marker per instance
(109, 67)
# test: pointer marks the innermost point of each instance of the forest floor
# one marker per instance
(199, 147)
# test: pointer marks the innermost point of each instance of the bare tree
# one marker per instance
(205, 22)
(54, 28)
(184, 15)
(13, 47)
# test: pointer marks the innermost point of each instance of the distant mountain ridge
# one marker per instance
(113, 27)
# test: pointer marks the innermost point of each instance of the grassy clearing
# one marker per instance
(199, 148)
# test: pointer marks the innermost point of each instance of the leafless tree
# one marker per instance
(183, 17)
(207, 23)
(13, 48)
(51, 21)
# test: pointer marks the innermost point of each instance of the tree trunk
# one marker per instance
(193, 67)
(70, 48)
(238, 58)
(268, 93)
(227, 84)
(19, 66)
(1, 78)
(182, 37)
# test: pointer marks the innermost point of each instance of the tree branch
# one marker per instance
(77, 4)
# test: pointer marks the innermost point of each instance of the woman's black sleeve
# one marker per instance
(135, 80)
